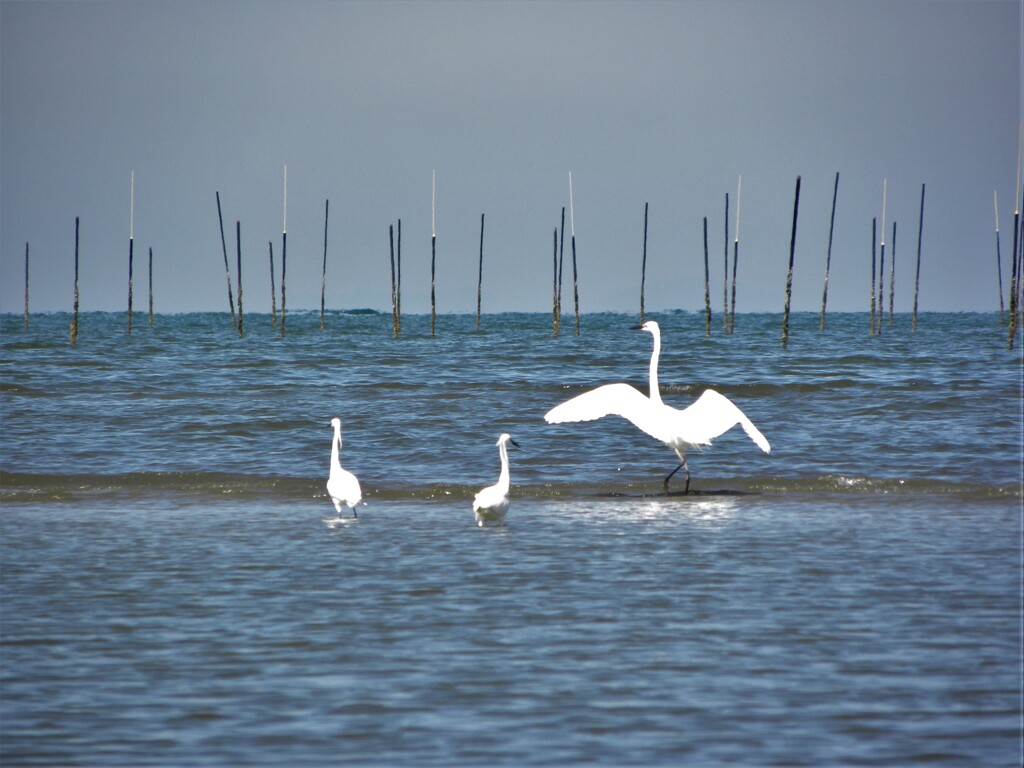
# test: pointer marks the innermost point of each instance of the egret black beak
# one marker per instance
(514, 443)
(636, 327)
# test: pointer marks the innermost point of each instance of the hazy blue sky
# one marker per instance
(659, 102)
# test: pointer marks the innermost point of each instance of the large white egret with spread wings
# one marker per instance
(709, 416)
(342, 485)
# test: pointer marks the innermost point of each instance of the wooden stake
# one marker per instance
(131, 251)
(881, 264)
(398, 279)
(284, 270)
(561, 261)
(227, 269)
(725, 280)
(789, 275)
(394, 294)
(323, 278)
(874, 225)
(892, 274)
(1014, 280)
(917, 278)
(643, 268)
(735, 259)
(480, 273)
(284, 249)
(828, 254)
(707, 283)
(74, 316)
(26, 286)
(554, 283)
(273, 290)
(433, 249)
(575, 276)
(238, 251)
(131, 254)
(150, 287)
(999, 260)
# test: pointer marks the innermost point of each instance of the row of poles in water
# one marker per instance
(1016, 292)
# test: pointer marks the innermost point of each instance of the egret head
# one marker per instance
(336, 423)
(506, 438)
(650, 326)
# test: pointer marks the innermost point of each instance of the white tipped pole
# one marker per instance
(284, 223)
(433, 203)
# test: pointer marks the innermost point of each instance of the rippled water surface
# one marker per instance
(171, 594)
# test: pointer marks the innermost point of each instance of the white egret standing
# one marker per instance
(342, 485)
(491, 504)
(709, 416)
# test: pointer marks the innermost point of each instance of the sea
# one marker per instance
(176, 588)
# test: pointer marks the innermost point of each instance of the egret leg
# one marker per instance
(682, 465)
(355, 514)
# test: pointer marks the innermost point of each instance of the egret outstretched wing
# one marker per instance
(615, 400)
(711, 415)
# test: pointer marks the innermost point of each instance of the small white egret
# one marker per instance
(697, 425)
(342, 485)
(491, 504)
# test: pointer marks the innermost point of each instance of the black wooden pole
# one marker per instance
(150, 287)
(273, 289)
(999, 260)
(707, 283)
(789, 274)
(561, 261)
(238, 252)
(828, 253)
(131, 257)
(643, 268)
(74, 316)
(917, 276)
(227, 269)
(892, 275)
(575, 286)
(398, 280)
(881, 279)
(732, 298)
(26, 285)
(284, 270)
(1014, 280)
(554, 282)
(433, 296)
(394, 294)
(323, 276)
(480, 273)
(725, 279)
(874, 236)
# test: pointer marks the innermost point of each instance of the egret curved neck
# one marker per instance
(335, 445)
(655, 393)
(503, 478)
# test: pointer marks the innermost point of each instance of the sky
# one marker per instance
(664, 104)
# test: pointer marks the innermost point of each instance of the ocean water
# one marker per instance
(171, 595)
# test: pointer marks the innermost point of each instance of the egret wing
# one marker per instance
(713, 414)
(615, 400)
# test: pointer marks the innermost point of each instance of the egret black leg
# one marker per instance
(354, 514)
(682, 465)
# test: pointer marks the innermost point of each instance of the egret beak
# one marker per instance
(636, 327)
(514, 443)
